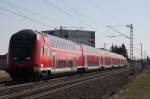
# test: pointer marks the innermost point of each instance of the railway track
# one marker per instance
(11, 87)
(45, 88)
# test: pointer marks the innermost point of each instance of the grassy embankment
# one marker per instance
(138, 89)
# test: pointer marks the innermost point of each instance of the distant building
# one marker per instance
(79, 36)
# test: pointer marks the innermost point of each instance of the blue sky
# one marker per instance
(91, 14)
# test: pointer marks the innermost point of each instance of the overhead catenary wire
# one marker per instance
(63, 11)
(99, 8)
(73, 9)
(17, 8)
(78, 13)
(118, 32)
(25, 17)
(144, 52)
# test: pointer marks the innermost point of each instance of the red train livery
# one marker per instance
(35, 54)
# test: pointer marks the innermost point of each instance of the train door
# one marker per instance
(72, 64)
(100, 62)
(85, 64)
(53, 60)
(46, 55)
(42, 57)
(71, 61)
(102, 59)
(75, 60)
(49, 55)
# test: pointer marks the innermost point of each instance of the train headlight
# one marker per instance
(41, 65)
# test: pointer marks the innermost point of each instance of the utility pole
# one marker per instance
(141, 57)
(131, 43)
(105, 46)
(60, 31)
(131, 49)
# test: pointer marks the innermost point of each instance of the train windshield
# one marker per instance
(21, 54)
(22, 45)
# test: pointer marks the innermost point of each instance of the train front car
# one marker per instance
(21, 54)
(37, 55)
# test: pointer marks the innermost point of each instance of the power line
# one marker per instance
(73, 9)
(61, 10)
(118, 32)
(25, 17)
(17, 8)
(77, 12)
(98, 7)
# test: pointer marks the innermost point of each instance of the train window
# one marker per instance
(43, 39)
(53, 43)
(48, 52)
(61, 63)
(53, 59)
(73, 47)
(58, 63)
(68, 65)
(42, 50)
(65, 63)
(65, 45)
(56, 45)
(21, 53)
(69, 46)
(60, 45)
(71, 64)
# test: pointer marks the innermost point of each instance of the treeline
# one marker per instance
(119, 50)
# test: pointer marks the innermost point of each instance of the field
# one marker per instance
(139, 88)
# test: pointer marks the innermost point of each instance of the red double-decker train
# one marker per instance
(35, 54)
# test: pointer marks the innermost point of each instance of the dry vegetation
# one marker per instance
(139, 88)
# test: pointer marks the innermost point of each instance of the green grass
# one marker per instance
(138, 89)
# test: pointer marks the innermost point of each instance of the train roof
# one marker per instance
(61, 43)
(23, 33)
(58, 42)
(94, 51)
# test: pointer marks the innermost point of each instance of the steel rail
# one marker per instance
(55, 85)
